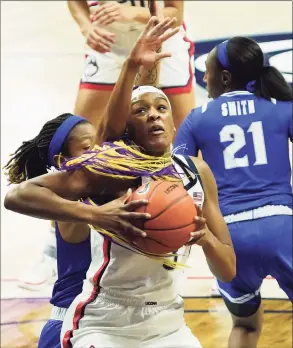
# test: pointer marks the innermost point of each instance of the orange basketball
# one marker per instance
(172, 213)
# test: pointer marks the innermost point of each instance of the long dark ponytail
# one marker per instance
(247, 62)
(271, 84)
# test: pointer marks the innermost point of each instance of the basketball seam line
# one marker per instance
(159, 242)
(145, 207)
(170, 205)
(168, 229)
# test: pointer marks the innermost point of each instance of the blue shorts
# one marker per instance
(50, 335)
(263, 247)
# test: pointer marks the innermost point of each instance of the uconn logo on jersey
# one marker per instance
(277, 49)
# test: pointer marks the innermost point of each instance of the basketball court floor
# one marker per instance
(41, 63)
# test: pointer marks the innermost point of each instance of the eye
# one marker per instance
(86, 148)
(140, 110)
(162, 108)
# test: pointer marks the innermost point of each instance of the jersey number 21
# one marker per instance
(236, 134)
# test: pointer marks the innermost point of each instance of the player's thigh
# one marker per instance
(279, 256)
(251, 322)
(91, 104)
(182, 338)
(99, 76)
(182, 104)
(177, 77)
(102, 340)
(241, 295)
(50, 335)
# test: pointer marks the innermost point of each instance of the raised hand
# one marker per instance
(146, 50)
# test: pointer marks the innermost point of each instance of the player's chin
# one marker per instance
(158, 145)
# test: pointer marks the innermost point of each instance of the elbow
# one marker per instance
(10, 199)
(230, 270)
(14, 197)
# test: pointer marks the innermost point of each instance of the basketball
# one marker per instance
(172, 213)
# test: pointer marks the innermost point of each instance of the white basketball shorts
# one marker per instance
(101, 70)
(126, 323)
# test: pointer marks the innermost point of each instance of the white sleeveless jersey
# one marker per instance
(128, 32)
(121, 272)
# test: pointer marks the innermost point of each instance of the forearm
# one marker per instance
(80, 12)
(148, 76)
(142, 14)
(221, 259)
(40, 202)
(118, 108)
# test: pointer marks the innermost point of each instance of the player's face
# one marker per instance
(213, 76)
(150, 124)
(81, 139)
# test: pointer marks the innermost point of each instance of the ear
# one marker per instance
(226, 78)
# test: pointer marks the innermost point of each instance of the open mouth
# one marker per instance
(156, 129)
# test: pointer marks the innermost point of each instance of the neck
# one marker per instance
(158, 153)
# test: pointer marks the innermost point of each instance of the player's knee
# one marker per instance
(246, 315)
(248, 325)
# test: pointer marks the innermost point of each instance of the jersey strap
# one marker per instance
(187, 169)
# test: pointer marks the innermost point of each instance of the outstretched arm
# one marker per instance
(54, 197)
(144, 53)
(51, 196)
(216, 242)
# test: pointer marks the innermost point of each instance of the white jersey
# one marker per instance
(120, 271)
(128, 298)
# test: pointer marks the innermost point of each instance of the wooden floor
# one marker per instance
(211, 323)
(208, 319)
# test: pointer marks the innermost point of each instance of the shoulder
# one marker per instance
(194, 117)
(201, 111)
(282, 110)
(283, 105)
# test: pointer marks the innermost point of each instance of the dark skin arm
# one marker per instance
(54, 197)
(144, 54)
(214, 236)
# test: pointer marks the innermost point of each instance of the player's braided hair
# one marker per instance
(31, 158)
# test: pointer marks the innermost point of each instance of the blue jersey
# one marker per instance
(244, 140)
(73, 261)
